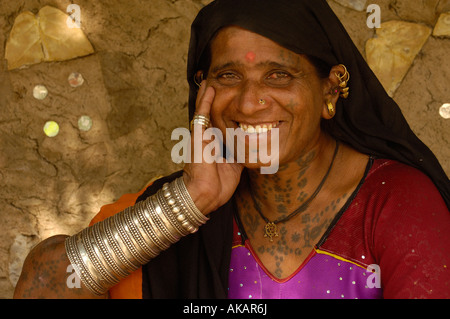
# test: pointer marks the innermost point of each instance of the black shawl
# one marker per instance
(369, 120)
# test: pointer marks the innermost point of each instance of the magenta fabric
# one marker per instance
(321, 277)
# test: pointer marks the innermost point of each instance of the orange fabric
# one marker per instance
(130, 287)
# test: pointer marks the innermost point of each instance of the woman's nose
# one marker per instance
(251, 98)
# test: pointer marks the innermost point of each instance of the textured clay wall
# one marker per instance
(135, 94)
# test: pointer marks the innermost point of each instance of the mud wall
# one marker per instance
(135, 94)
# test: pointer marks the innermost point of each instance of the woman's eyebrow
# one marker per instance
(236, 64)
(226, 66)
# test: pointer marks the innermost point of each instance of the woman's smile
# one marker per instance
(261, 127)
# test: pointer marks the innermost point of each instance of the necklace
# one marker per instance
(270, 229)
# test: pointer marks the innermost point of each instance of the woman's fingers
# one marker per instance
(205, 99)
(204, 102)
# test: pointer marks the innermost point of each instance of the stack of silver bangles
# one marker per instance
(110, 250)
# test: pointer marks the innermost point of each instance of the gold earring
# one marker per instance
(331, 109)
(199, 75)
(343, 81)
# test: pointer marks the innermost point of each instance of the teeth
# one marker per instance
(260, 128)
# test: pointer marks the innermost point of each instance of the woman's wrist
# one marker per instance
(204, 199)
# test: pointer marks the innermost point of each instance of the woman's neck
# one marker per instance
(281, 193)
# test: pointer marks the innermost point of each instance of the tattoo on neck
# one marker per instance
(284, 193)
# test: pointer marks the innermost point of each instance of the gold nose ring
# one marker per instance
(262, 102)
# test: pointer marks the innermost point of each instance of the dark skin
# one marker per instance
(245, 68)
(45, 274)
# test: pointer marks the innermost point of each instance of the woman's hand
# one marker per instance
(210, 185)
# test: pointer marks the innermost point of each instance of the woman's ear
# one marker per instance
(331, 91)
(198, 78)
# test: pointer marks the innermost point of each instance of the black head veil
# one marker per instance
(369, 120)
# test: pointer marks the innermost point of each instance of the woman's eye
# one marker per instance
(228, 78)
(279, 76)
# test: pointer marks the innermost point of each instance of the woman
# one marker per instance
(351, 193)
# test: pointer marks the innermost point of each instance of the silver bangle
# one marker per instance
(185, 198)
(105, 250)
(169, 215)
(137, 234)
(149, 227)
(171, 210)
(96, 262)
(110, 250)
(78, 258)
(118, 248)
(129, 240)
(157, 217)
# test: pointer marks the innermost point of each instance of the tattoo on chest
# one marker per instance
(293, 243)
(297, 236)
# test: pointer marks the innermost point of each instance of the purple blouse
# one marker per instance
(321, 276)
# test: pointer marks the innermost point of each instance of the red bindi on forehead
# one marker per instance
(250, 56)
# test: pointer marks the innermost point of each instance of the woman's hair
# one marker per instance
(322, 68)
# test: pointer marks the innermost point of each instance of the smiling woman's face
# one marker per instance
(260, 85)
